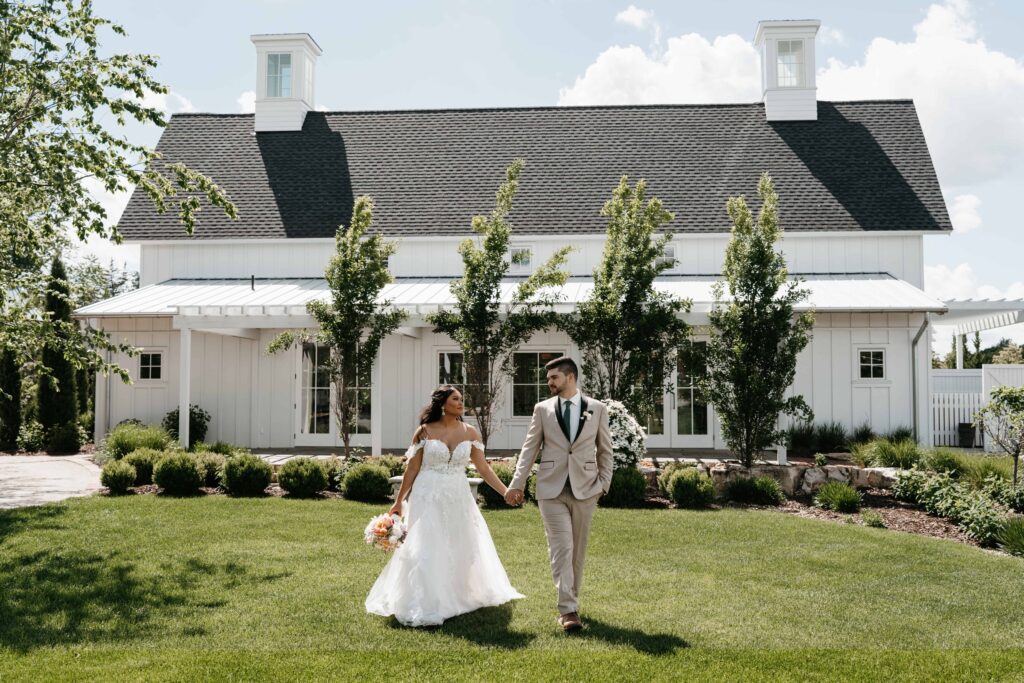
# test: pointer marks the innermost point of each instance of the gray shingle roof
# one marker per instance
(860, 166)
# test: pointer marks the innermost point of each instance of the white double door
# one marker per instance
(682, 419)
(316, 424)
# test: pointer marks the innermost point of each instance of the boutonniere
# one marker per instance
(587, 415)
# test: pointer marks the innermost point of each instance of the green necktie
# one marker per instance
(566, 413)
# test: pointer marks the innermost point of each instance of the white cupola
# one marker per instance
(787, 69)
(285, 66)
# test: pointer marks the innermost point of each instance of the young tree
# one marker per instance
(10, 401)
(62, 104)
(58, 401)
(487, 330)
(353, 323)
(629, 334)
(751, 358)
(1002, 418)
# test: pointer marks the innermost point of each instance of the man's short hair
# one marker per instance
(565, 365)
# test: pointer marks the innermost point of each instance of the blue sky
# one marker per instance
(962, 62)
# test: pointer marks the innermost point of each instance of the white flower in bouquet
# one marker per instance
(629, 439)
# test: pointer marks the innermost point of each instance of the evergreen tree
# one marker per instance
(10, 401)
(58, 401)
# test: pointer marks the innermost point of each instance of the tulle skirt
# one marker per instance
(448, 564)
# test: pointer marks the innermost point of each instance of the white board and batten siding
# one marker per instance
(898, 255)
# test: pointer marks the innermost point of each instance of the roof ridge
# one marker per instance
(553, 107)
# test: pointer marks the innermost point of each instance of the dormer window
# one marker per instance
(791, 63)
(279, 74)
(667, 256)
(521, 259)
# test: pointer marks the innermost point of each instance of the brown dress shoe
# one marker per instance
(570, 622)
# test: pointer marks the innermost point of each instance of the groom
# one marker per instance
(570, 432)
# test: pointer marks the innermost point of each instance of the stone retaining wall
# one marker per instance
(794, 479)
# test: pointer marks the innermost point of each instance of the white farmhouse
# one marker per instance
(858, 190)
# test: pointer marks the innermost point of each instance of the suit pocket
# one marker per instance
(590, 466)
(546, 464)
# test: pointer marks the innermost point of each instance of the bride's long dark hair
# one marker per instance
(432, 411)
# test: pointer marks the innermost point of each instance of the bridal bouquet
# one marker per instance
(385, 532)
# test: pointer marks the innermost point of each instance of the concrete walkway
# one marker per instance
(36, 479)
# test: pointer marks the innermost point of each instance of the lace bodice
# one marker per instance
(437, 457)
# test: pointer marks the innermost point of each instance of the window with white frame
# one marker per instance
(667, 256)
(521, 259)
(279, 74)
(790, 63)
(530, 380)
(452, 370)
(872, 363)
(151, 365)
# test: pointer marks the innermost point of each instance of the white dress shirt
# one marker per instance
(574, 413)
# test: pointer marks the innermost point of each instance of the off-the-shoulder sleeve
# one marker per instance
(411, 451)
(478, 444)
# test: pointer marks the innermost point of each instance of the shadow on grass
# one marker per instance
(649, 643)
(55, 597)
(22, 519)
(488, 627)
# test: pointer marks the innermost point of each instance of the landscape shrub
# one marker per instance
(666, 474)
(820, 459)
(31, 437)
(118, 476)
(129, 436)
(198, 422)
(800, 438)
(302, 477)
(763, 490)
(902, 433)
(691, 488)
(212, 464)
(66, 437)
(335, 473)
(862, 434)
(873, 519)
(491, 497)
(908, 485)
(862, 454)
(87, 423)
(246, 474)
(903, 454)
(838, 496)
(531, 488)
(626, 490)
(1001, 491)
(395, 465)
(943, 460)
(367, 483)
(981, 519)
(221, 447)
(830, 437)
(1011, 536)
(178, 474)
(143, 460)
(977, 469)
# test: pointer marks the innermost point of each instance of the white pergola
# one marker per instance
(241, 307)
(977, 315)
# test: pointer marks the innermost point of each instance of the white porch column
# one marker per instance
(959, 351)
(184, 375)
(780, 455)
(376, 406)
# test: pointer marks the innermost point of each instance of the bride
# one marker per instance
(448, 564)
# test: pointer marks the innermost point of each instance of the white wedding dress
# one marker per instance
(448, 564)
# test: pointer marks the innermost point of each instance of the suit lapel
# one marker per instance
(558, 417)
(582, 420)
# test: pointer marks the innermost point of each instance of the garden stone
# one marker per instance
(881, 477)
(725, 472)
(788, 476)
(813, 478)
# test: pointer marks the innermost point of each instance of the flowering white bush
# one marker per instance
(628, 437)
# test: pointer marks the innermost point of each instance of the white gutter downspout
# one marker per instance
(913, 372)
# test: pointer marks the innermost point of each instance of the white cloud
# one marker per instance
(831, 36)
(102, 248)
(169, 103)
(691, 70)
(967, 95)
(634, 16)
(247, 102)
(964, 213)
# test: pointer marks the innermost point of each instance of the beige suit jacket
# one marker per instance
(587, 462)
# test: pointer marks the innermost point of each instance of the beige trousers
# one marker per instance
(567, 525)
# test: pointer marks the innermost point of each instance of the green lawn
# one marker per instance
(153, 588)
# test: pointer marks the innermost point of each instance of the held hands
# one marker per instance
(514, 496)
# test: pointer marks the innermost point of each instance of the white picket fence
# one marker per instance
(948, 411)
